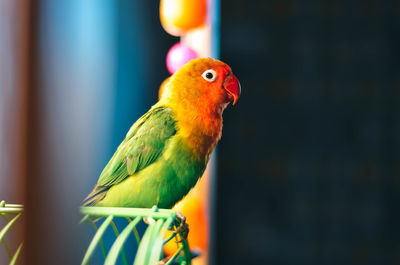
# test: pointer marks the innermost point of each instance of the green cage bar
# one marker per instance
(10, 213)
(150, 250)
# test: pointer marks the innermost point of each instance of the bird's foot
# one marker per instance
(183, 228)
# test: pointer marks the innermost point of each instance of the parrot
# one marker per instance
(166, 151)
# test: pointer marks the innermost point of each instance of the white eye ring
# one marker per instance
(210, 75)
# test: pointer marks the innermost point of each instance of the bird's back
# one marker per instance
(152, 166)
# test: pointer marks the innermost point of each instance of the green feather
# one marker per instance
(152, 166)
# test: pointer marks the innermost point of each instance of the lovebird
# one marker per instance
(166, 151)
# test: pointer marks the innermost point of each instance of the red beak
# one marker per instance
(232, 85)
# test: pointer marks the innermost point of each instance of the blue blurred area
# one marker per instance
(77, 57)
(100, 65)
(77, 82)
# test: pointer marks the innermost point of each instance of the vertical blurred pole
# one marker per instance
(13, 54)
(205, 41)
(71, 107)
(14, 41)
(7, 98)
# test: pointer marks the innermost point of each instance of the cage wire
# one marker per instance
(10, 213)
(150, 245)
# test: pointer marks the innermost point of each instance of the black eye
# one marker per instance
(210, 75)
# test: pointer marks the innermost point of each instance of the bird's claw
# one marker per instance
(183, 227)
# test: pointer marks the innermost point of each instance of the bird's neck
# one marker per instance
(200, 131)
(200, 126)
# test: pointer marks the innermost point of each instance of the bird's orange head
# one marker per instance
(203, 82)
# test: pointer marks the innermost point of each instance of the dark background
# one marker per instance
(309, 167)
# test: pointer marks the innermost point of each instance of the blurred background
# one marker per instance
(308, 166)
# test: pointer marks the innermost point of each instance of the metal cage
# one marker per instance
(150, 250)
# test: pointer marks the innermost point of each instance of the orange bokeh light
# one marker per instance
(180, 16)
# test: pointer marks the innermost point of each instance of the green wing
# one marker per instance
(143, 144)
